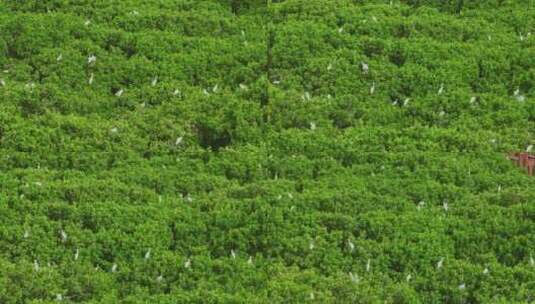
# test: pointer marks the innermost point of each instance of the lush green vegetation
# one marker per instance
(224, 151)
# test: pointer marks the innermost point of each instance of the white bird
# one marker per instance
(35, 265)
(114, 267)
(243, 87)
(134, 12)
(276, 81)
(176, 92)
(340, 29)
(421, 204)
(350, 245)
(531, 260)
(233, 254)
(250, 260)
(114, 130)
(374, 18)
(306, 96)
(91, 59)
(87, 22)
(76, 254)
(59, 297)
(409, 277)
(187, 264)
(311, 245)
(147, 254)
(472, 100)
(441, 89)
(486, 270)
(354, 278)
(529, 148)
(406, 101)
(119, 93)
(63, 236)
(489, 37)
(365, 67)
(2, 82)
(178, 140)
(445, 205)
(368, 266)
(462, 286)
(189, 198)
(440, 262)
(290, 196)
(60, 56)
(372, 89)
(159, 278)
(26, 234)
(499, 188)
(215, 88)
(205, 92)
(329, 67)
(312, 296)
(91, 78)
(312, 126)
(441, 113)
(154, 81)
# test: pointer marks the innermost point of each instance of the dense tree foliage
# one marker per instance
(225, 151)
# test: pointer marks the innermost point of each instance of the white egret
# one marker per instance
(350, 245)
(147, 254)
(91, 59)
(114, 267)
(187, 264)
(63, 236)
(440, 263)
(154, 81)
(119, 93)
(365, 67)
(441, 89)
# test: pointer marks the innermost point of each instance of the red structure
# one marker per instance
(524, 160)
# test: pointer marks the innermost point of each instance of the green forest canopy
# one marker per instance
(224, 151)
